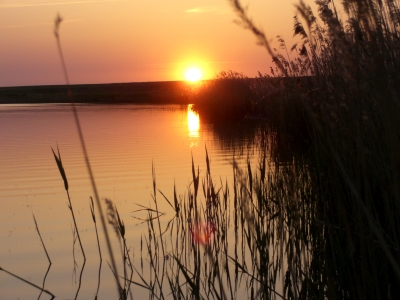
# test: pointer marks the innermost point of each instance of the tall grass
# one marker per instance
(252, 240)
(226, 98)
(344, 77)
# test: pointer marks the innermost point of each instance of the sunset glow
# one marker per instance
(128, 41)
(193, 74)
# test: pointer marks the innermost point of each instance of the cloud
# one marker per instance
(207, 9)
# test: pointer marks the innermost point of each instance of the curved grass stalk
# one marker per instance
(86, 156)
(28, 282)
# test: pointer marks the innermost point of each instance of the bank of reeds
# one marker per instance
(221, 243)
(342, 78)
(226, 98)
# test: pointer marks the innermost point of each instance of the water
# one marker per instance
(123, 143)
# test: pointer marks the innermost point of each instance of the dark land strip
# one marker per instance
(163, 92)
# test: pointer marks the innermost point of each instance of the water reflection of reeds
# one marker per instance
(251, 241)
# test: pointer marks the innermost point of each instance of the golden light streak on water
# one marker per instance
(193, 122)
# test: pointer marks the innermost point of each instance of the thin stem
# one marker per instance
(28, 282)
(86, 156)
(76, 226)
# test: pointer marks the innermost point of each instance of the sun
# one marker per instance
(193, 74)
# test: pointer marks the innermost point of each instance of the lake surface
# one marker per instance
(123, 143)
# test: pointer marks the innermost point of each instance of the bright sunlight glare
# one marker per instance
(193, 74)
(193, 122)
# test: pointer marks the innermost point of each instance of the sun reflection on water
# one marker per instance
(193, 120)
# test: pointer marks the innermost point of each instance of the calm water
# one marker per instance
(123, 142)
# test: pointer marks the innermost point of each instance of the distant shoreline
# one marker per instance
(162, 92)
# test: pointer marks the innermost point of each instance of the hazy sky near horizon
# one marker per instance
(134, 40)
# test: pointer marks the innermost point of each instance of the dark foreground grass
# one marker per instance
(341, 88)
(338, 93)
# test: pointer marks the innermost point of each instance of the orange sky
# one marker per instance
(133, 40)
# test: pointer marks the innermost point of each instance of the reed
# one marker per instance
(66, 186)
(28, 282)
(119, 227)
(343, 79)
(324, 222)
(98, 243)
(226, 98)
(269, 238)
(47, 254)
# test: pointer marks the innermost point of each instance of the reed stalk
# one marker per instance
(85, 153)
(28, 282)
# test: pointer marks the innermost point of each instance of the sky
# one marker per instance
(106, 41)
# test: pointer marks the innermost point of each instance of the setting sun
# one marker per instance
(193, 74)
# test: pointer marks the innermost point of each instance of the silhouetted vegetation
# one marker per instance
(346, 86)
(227, 98)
